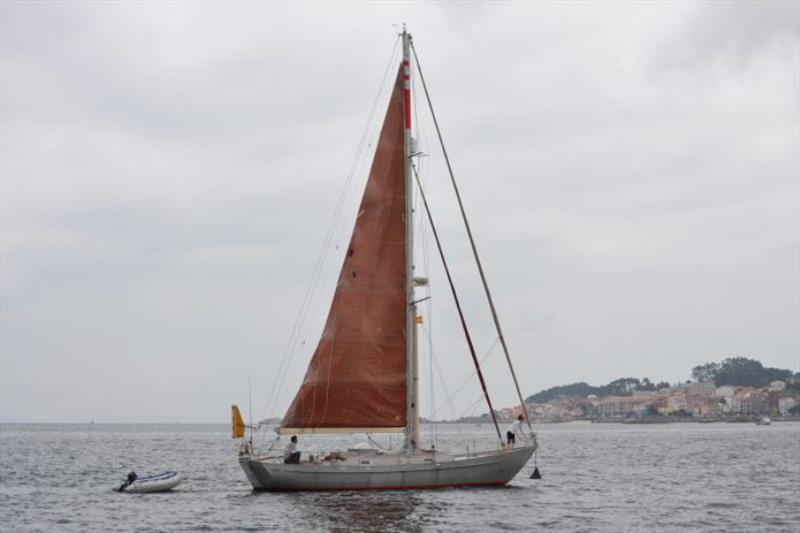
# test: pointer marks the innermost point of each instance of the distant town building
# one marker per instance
(725, 391)
(693, 399)
(675, 403)
(695, 388)
(623, 406)
(777, 385)
(786, 404)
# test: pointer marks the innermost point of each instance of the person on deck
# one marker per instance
(290, 454)
(514, 430)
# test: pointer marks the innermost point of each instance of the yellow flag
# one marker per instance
(237, 424)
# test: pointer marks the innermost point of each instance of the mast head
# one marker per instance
(403, 31)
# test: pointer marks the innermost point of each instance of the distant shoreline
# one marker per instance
(226, 425)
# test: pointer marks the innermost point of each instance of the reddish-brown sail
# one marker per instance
(357, 375)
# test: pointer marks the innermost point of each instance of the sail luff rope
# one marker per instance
(472, 240)
(283, 367)
(458, 304)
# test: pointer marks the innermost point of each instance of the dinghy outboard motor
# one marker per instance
(131, 478)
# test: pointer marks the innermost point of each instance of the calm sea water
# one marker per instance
(596, 477)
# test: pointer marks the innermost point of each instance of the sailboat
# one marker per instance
(363, 375)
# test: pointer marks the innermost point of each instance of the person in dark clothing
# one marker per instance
(290, 453)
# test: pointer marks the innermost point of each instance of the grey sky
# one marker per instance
(169, 171)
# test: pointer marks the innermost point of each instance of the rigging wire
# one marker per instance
(472, 406)
(442, 383)
(309, 295)
(458, 305)
(468, 379)
(377, 444)
(421, 136)
(472, 241)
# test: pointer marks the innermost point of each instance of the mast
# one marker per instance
(412, 413)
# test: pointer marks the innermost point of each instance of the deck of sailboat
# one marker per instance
(375, 457)
(375, 470)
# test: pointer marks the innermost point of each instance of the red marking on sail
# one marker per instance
(407, 106)
(357, 375)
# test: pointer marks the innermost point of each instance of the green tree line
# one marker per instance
(738, 371)
(618, 387)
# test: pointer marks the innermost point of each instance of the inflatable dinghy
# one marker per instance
(155, 483)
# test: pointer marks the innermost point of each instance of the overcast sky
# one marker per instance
(170, 170)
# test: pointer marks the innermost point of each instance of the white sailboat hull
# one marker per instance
(389, 472)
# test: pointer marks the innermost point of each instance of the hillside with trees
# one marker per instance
(737, 371)
(618, 387)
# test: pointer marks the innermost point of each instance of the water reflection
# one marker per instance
(609, 478)
(366, 511)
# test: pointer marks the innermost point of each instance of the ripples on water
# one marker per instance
(597, 477)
